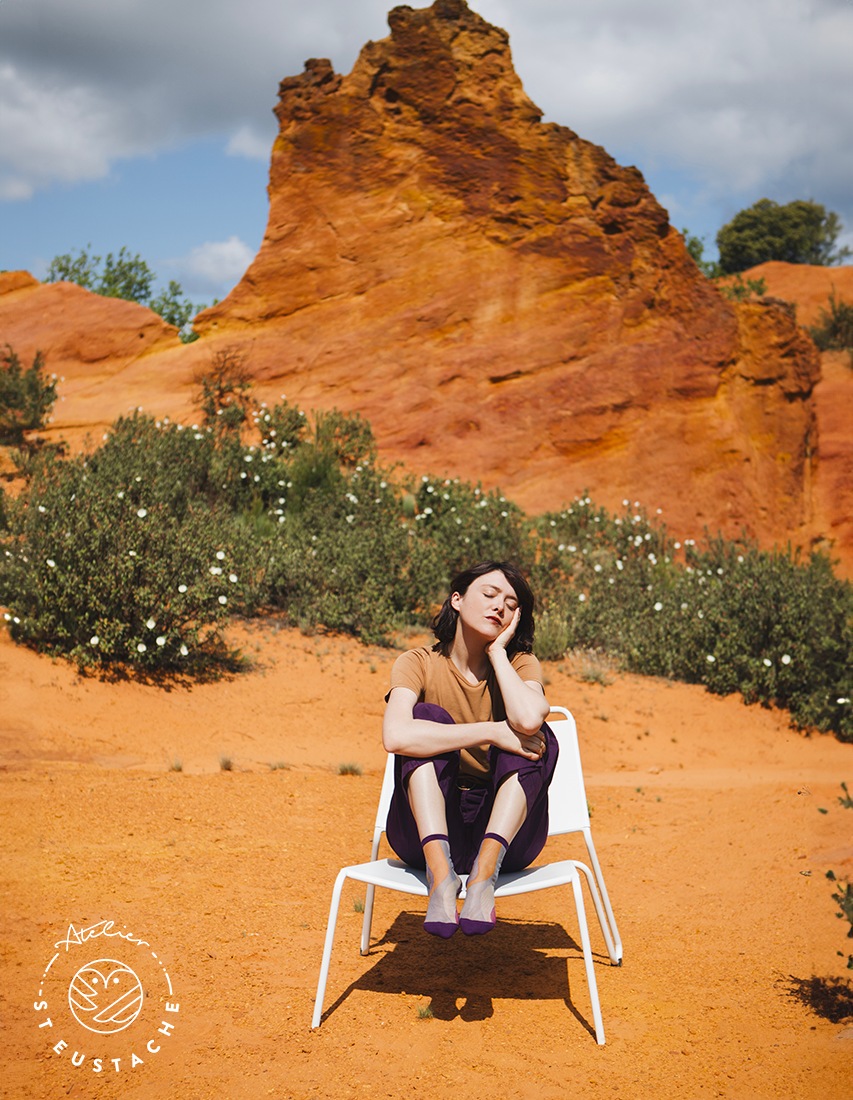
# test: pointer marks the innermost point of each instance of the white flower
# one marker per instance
(7, 617)
(701, 614)
(786, 660)
(182, 588)
(220, 556)
(141, 647)
(141, 513)
(619, 565)
(677, 545)
(710, 659)
(233, 578)
(598, 568)
(768, 662)
(625, 503)
(215, 570)
(842, 700)
(582, 597)
(184, 651)
(94, 640)
(121, 495)
(150, 624)
(658, 606)
(684, 607)
(247, 458)
(223, 599)
(349, 519)
(51, 563)
(41, 509)
(132, 553)
(161, 640)
(572, 549)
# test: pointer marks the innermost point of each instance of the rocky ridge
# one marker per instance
(495, 294)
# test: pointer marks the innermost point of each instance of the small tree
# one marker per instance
(26, 396)
(223, 392)
(696, 247)
(797, 233)
(128, 277)
(835, 330)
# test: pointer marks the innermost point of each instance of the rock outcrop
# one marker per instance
(503, 301)
(499, 297)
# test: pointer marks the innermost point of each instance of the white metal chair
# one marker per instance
(568, 813)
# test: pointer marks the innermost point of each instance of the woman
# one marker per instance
(473, 708)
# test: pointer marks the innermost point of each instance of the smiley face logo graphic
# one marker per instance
(105, 996)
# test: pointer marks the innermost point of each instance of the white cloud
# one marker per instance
(246, 142)
(744, 97)
(218, 262)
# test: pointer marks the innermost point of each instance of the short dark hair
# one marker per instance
(444, 623)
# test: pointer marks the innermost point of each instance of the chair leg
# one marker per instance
(588, 963)
(599, 878)
(615, 959)
(327, 947)
(368, 919)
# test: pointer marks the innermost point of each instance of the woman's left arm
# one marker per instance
(524, 700)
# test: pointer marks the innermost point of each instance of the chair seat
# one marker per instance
(394, 875)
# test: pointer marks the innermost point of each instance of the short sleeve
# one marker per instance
(527, 666)
(409, 671)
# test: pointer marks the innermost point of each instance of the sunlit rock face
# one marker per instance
(499, 298)
(503, 301)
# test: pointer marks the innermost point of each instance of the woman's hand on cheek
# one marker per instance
(505, 637)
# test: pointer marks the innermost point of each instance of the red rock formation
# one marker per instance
(503, 301)
(499, 297)
(805, 286)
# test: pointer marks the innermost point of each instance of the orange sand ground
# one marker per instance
(706, 816)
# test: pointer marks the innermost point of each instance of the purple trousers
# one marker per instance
(468, 810)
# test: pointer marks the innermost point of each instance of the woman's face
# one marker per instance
(488, 605)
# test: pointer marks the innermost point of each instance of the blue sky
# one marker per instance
(149, 125)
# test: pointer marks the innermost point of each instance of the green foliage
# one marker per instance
(798, 233)
(26, 396)
(128, 277)
(149, 543)
(696, 248)
(122, 276)
(223, 392)
(835, 330)
(739, 291)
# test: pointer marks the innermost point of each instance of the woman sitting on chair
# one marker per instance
(473, 708)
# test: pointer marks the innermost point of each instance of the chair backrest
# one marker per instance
(567, 808)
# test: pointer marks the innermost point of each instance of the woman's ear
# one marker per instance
(455, 597)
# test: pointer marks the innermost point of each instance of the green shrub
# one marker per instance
(151, 542)
(740, 291)
(26, 396)
(835, 330)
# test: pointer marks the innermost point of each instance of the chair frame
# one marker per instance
(570, 814)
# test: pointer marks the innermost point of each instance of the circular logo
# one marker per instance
(105, 996)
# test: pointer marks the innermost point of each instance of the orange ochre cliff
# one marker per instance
(498, 297)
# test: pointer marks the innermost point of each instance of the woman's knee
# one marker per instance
(432, 712)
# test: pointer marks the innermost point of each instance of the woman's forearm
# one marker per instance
(526, 707)
(420, 738)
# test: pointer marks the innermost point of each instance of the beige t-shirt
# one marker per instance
(436, 679)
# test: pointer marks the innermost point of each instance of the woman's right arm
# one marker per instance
(406, 735)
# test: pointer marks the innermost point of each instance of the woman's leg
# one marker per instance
(428, 807)
(508, 814)
(519, 813)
